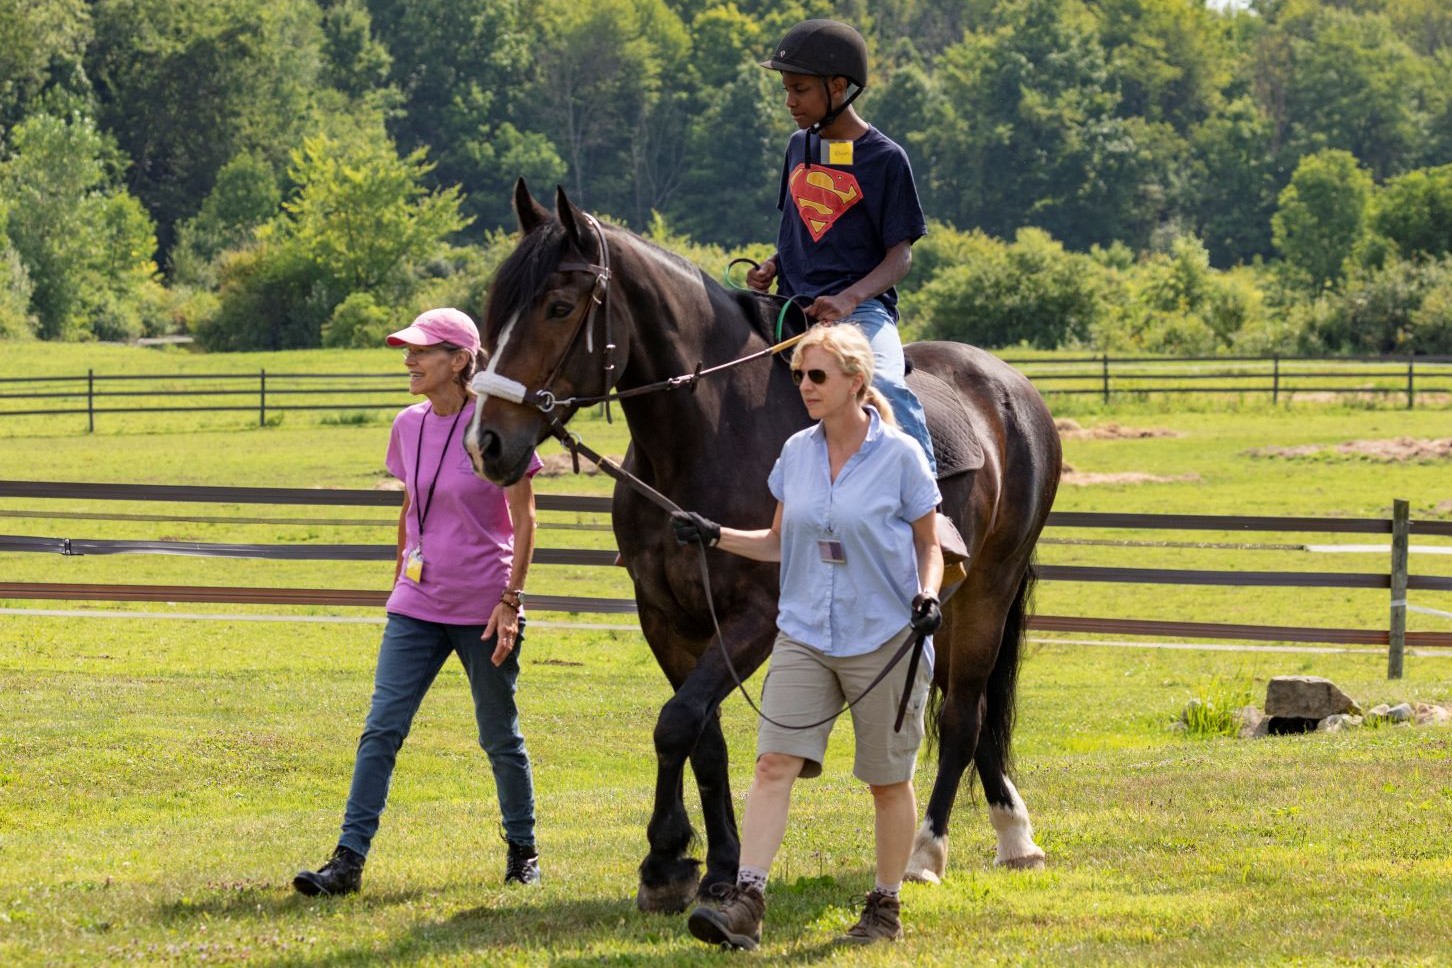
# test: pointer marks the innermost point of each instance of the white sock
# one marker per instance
(889, 890)
(751, 877)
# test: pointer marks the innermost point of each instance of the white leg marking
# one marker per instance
(1016, 847)
(929, 860)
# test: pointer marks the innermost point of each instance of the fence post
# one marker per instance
(1411, 375)
(1275, 379)
(90, 401)
(1105, 360)
(1397, 640)
(262, 398)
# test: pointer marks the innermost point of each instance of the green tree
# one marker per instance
(86, 245)
(1414, 211)
(365, 217)
(354, 62)
(1230, 185)
(187, 85)
(1032, 137)
(1321, 215)
(360, 221)
(245, 196)
(599, 84)
(37, 38)
(1332, 77)
(463, 69)
(1167, 57)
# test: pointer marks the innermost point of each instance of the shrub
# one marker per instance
(358, 321)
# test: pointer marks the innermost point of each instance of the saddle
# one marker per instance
(955, 445)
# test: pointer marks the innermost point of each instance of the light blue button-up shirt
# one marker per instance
(853, 607)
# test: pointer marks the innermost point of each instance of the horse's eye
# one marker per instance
(559, 310)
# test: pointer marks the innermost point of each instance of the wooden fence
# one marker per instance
(1406, 379)
(1397, 580)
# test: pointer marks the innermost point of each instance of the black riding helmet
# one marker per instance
(825, 49)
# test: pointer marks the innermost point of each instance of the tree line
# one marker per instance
(1125, 175)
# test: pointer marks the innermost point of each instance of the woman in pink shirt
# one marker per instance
(464, 546)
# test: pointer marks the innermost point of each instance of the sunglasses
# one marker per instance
(816, 376)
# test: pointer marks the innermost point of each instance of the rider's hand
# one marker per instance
(760, 278)
(927, 614)
(829, 309)
(690, 528)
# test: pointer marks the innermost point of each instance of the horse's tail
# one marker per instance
(1002, 691)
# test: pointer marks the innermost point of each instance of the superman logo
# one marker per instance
(821, 196)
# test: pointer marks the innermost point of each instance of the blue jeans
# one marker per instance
(877, 324)
(410, 656)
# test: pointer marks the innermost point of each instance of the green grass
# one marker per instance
(162, 781)
(161, 778)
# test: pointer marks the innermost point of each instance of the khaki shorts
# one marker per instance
(803, 686)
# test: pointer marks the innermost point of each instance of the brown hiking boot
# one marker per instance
(881, 921)
(734, 923)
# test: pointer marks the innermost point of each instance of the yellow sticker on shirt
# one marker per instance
(839, 152)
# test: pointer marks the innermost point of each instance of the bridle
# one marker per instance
(491, 383)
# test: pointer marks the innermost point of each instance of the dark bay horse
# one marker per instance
(580, 309)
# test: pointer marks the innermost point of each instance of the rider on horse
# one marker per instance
(846, 241)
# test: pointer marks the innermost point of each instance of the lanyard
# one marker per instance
(421, 508)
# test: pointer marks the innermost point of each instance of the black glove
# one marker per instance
(927, 614)
(690, 528)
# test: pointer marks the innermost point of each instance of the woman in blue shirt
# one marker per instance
(855, 532)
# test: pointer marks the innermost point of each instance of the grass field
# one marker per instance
(161, 778)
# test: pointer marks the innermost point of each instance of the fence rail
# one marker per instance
(1408, 378)
(1398, 527)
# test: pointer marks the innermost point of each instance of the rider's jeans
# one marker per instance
(877, 324)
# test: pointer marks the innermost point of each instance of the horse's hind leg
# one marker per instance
(976, 725)
(1006, 810)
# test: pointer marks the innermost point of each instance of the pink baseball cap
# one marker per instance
(439, 326)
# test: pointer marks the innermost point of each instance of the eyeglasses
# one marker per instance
(816, 376)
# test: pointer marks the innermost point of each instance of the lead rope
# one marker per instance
(914, 643)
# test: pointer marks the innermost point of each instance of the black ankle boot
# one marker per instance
(522, 865)
(342, 874)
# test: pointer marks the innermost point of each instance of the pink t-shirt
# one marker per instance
(468, 540)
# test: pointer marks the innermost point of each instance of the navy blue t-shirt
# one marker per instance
(838, 221)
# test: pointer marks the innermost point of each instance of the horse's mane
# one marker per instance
(521, 277)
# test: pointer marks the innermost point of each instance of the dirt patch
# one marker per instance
(1395, 450)
(1074, 478)
(1071, 430)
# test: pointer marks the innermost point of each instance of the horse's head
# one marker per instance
(547, 335)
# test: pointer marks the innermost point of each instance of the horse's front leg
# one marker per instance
(668, 877)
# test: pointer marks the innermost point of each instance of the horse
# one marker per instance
(581, 311)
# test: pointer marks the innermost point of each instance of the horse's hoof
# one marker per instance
(1029, 862)
(672, 897)
(929, 860)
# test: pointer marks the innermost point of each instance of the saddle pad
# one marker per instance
(955, 445)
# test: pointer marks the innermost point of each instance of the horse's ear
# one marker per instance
(531, 214)
(575, 221)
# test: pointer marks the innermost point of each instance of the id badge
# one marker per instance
(831, 551)
(838, 152)
(413, 566)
